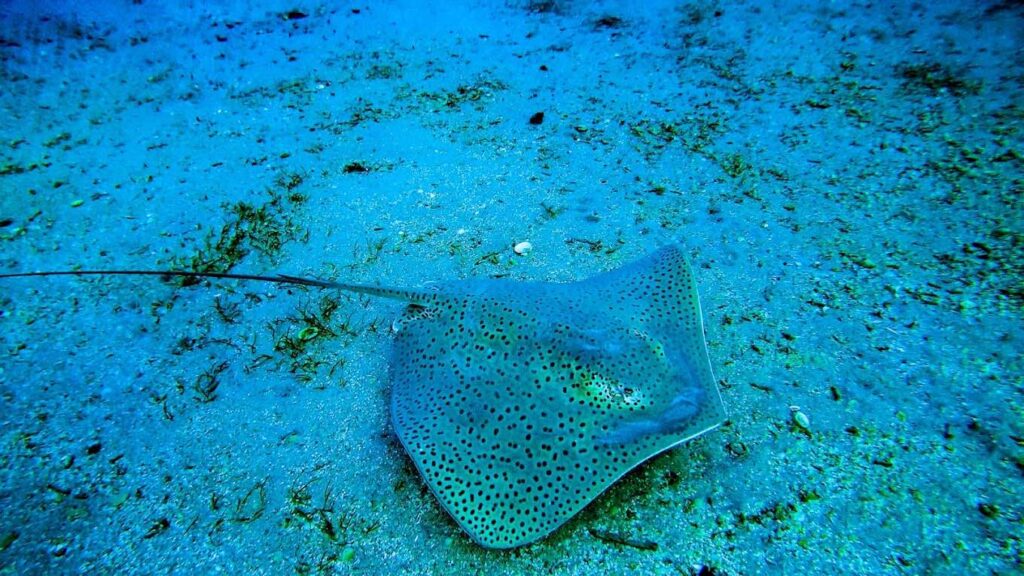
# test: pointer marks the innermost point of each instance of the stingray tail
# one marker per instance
(416, 296)
(413, 295)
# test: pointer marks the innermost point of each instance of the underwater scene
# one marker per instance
(505, 287)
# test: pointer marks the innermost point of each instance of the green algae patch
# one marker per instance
(262, 228)
(8, 539)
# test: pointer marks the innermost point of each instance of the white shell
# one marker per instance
(802, 420)
(522, 248)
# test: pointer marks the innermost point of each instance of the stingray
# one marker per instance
(520, 402)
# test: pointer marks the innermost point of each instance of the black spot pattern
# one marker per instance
(521, 402)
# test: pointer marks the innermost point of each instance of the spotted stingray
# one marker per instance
(520, 402)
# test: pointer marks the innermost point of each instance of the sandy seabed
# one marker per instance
(845, 176)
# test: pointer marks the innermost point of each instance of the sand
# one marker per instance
(846, 177)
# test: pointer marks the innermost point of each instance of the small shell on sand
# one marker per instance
(522, 248)
(800, 419)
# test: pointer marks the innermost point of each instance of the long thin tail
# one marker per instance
(409, 295)
(167, 274)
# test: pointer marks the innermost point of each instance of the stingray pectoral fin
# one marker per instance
(674, 418)
(627, 432)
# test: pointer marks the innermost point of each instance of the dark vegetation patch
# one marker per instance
(935, 77)
(263, 228)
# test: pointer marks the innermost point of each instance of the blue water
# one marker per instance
(846, 178)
